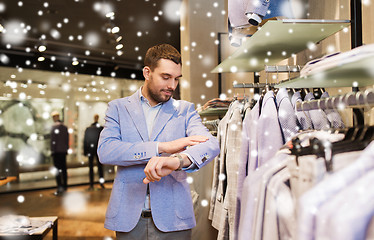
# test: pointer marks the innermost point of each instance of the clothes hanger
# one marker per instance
(306, 115)
(367, 132)
(304, 92)
(317, 93)
(275, 90)
(266, 88)
(348, 131)
(357, 137)
(316, 147)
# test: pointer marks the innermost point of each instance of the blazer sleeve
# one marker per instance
(112, 150)
(205, 152)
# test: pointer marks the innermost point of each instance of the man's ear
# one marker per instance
(146, 72)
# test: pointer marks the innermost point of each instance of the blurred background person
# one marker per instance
(91, 137)
(59, 149)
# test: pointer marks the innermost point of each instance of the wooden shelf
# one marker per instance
(278, 40)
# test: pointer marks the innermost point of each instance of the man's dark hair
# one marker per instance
(161, 51)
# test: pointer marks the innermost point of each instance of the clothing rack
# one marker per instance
(214, 122)
(252, 85)
(212, 125)
(282, 68)
(353, 99)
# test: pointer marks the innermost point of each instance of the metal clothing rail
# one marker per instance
(282, 68)
(252, 85)
(214, 122)
(353, 99)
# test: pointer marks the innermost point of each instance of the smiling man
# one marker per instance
(146, 136)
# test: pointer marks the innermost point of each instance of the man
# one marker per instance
(154, 140)
(91, 137)
(59, 149)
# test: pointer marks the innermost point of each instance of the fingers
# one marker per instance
(194, 140)
(150, 170)
(146, 181)
(159, 167)
(198, 138)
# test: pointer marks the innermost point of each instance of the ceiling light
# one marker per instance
(119, 46)
(115, 30)
(41, 59)
(119, 38)
(109, 14)
(42, 48)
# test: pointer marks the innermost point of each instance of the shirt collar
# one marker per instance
(145, 100)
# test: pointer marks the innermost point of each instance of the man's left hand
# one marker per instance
(158, 167)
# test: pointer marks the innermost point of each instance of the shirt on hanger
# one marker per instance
(302, 116)
(312, 200)
(348, 214)
(279, 218)
(253, 195)
(318, 116)
(253, 153)
(286, 115)
(332, 115)
(269, 135)
(243, 161)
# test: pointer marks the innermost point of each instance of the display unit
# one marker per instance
(278, 40)
(358, 73)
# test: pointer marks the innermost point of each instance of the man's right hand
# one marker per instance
(180, 144)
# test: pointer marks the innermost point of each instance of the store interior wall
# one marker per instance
(201, 21)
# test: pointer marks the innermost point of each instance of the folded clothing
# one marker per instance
(336, 59)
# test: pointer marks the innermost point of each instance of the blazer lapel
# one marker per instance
(166, 112)
(136, 113)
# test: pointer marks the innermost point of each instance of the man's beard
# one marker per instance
(158, 97)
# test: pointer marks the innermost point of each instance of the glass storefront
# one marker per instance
(25, 123)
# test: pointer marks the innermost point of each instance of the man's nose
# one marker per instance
(172, 84)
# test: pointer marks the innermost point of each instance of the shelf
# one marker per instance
(352, 74)
(213, 112)
(276, 41)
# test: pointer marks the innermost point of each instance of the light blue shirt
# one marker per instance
(310, 202)
(150, 114)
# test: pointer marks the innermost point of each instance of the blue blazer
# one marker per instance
(125, 142)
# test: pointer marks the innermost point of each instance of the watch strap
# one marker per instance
(180, 161)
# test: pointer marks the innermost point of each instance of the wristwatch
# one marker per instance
(180, 161)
